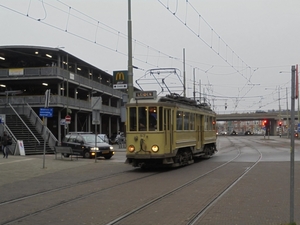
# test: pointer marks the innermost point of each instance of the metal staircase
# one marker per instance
(32, 139)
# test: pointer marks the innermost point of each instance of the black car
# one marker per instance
(88, 145)
(248, 132)
(233, 133)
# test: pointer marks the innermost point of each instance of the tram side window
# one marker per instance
(179, 117)
(205, 122)
(192, 121)
(132, 119)
(186, 120)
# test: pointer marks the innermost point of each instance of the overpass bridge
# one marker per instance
(272, 117)
(254, 116)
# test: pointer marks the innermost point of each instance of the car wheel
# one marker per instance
(87, 154)
(107, 157)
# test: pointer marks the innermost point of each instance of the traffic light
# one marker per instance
(280, 123)
(265, 122)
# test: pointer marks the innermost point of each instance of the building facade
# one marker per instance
(26, 72)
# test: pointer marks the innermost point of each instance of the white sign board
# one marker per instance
(96, 117)
(96, 103)
(120, 86)
(2, 118)
(20, 147)
(63, 122)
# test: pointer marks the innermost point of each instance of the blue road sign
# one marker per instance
(46, 112)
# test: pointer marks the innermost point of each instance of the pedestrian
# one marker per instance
(5, 144)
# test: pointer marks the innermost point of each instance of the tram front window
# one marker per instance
(152, 118)
(147, 118)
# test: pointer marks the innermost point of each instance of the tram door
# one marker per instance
(168, 130)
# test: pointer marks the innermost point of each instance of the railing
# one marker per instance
(59, 101)
(17, 114)
(47, 134)
(10, 133)
(65, 75)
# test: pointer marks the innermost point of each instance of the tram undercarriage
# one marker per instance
(183, 157)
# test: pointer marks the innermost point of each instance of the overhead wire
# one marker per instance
(211, 44)
(99, 25)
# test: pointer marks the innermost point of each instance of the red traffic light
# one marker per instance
(280, 123)
(265, 122)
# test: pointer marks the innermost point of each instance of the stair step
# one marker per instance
(21, 132)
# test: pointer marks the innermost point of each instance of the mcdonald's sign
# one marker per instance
(120, 79)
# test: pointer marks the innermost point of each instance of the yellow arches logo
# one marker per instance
(120, 79)
(120, 76)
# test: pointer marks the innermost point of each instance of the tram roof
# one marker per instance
(186, 102)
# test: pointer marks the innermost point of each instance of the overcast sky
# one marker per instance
(239, 51)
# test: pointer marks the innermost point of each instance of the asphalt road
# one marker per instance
(86, 191)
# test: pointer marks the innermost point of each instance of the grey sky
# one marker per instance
(237, 47)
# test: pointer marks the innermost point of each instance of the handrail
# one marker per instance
(12, 136)
(34, 113)
(24, 123)
(10, 133)
(40, 121)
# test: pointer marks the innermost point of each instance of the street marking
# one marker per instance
(16, 161)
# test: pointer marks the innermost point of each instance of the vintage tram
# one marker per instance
(168, 130)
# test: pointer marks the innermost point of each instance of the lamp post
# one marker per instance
(292, 168)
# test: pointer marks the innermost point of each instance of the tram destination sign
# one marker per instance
(145, 94)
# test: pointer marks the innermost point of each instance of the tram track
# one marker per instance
(132, 211)
(201, 212)
(125, 218)
(17, 203)
(2, 203)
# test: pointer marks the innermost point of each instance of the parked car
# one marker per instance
(104, 137)
(88, 145)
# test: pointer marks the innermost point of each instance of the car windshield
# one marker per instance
(102, 136)
(90, 138)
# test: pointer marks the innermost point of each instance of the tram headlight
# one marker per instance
(155, 148)
(131, 148)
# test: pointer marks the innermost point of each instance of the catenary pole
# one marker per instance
(184, 85)
(293, 96)
(130, 68)
(287, 113)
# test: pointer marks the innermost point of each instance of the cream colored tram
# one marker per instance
(168, 131)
